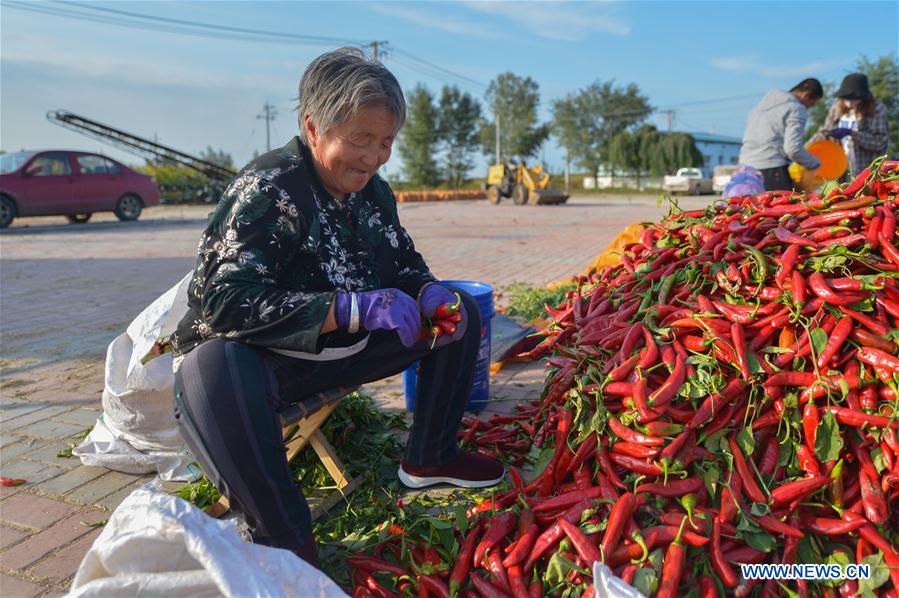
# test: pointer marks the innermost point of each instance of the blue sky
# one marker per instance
(192, 91)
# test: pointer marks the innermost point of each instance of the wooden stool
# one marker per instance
(301, 424)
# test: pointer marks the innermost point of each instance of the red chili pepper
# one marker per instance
(498, 527)
(552, 534)
(585, 549)
(810, 421)
(729, 498)
(830, 527)
(563, 501)
(371, 564)
(673, 567)
(665, 393)
(636, 465)
(750, 488)
(797, 490)
(719, 561)
(4, 481)
(839, 335)
(632, 449)
(798, 288)
(806, 456)
(448, 309)
(498, 570)
(487, 589)
(463, 560)
(869, 339)
(651, 353)
(785, 236)
(873, 499)
(629, 435)
(523, 546)
(672, 488)
(618, 518)
(851, 417)
(434, 585)
(375, 588)
(870, 323)
(888, 228)
(707, 587)
(778, 527)
(820, 288)
(739, 339)
(446, 327)
(768, 460)
(516, 580)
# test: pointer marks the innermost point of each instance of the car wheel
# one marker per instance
(129, 207)
(79, 218)
(7, 211)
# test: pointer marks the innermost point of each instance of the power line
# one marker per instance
(62, 12)
(440, 68)
(189, 27)
(262, 32)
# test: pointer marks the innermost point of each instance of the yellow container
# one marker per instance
(833, 164)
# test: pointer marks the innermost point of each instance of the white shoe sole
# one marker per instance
(413, 481)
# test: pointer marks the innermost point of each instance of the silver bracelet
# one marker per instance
(353, 328)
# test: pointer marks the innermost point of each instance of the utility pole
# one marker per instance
(669, 115)
(374, 49)
(497, 140)
(269, 113)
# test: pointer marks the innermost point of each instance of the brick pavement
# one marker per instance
(68, 290)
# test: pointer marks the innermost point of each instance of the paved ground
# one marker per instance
(68, 290)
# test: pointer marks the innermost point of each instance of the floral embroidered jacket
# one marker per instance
(277, 248)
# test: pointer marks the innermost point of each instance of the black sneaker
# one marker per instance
(468, 470)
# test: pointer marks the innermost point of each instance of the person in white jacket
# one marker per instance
(774, 133)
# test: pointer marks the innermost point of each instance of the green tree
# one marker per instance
(420, 138)
(634, 151)
(564, 125)
(586, 121)
(883, 77)
(217, 157)
(457, 123)
(514, 100)
(673, 151)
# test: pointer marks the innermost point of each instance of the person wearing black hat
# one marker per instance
(858, 122)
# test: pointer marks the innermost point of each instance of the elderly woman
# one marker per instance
(306, 281)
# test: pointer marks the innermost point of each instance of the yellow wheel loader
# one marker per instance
(524, 185)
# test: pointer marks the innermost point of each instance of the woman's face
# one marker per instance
(852, 104)
(347, 156)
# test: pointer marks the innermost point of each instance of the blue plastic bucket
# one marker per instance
(480, 387)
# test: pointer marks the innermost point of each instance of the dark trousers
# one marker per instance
(227, 395)
(777, 179)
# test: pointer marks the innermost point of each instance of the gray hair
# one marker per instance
(337, 84)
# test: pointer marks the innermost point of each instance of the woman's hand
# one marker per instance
(383, 309)
(437, 301)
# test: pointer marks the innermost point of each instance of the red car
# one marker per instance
(71, 184)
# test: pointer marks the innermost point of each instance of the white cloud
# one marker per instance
(565, 21)
(131, 72)
(426, 18)
(754, 65)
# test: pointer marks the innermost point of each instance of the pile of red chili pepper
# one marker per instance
(725, 395)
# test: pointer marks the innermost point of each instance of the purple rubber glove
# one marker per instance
(840, 132)
(384, 309)
(432, 297)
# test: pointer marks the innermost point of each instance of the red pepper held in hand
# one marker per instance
(448, 309)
